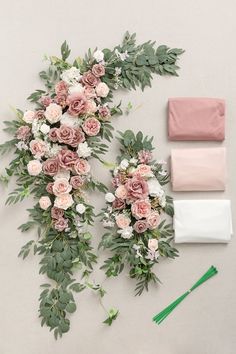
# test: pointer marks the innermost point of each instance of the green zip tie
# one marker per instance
(164, 313)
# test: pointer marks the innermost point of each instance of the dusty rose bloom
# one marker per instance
(23, 132)
(91, 126)
(65, 134)
(39, 114)
(143, 170)
(140, 226)
(53, 135)
(76, 181)
(78, 137)
(38, 147)
(89, 79)
(98, 70)
(81, 166)
(61, 186)
(77, 104)
(61, 224)
(122, 221)
(137, 188)
(116, 181)
(118, 204)
(105, 113)
(67, 158)
(141, 208)
(153, 220)
(61, 100)
(49, 188)
(89, 92)
(46, 100)
(61, 88)
(144, 156)
(57, 213)
(51, 167)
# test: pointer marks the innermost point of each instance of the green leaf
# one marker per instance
(71, 307)
(65, 51)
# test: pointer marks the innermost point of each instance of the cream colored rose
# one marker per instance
(121, 192)
(28, 116)
(34, 167)
(153, 244)
(61, 186)
(53, 113)
(64, 201)
(122, 221)
(44, 202)
(102, 89)
(144, 171)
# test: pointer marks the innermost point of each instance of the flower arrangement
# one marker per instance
(52, 145)
(137, 232)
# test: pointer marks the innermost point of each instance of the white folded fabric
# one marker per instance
(202, 221)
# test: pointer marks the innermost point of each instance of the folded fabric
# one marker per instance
(202, 169)
(196, 119)
(202, 221)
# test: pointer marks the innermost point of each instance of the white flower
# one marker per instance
(154, 187)
(78, 88)
(45, 202)
(124, 164)
(80, 208)
(115, 171)
(62, 174)
(102, 89)
(133, 161)
(28, 116)
(163, 173)
(98, 56)
(120, 55)
(70, 121)
(162, 200)
(108, 223)
(53, 150)
(21, 146)
(117, 71)
(109, 197)
(84, 150)
(126, 233)
(53, 113)
(71, 76)
(162, 162)
(36, 128)
(44, 128)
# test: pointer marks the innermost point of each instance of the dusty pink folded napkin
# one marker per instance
(196, 118)
(202, 169)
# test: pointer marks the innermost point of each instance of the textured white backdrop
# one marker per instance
(205, 323)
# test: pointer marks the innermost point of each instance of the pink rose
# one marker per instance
(116, 181)
(102, 89)
(118, 204)
(44, 202)
(121, 192)
(64, 201)
(76, 182)
(105, 113)
(23, 133)
(61, 186)
(61, 100)
(34, 167)
(89, 79)
(91, 126)
(137, 188)
(153, 220)
(53, 113)
(46, 100)
(141, 208)
(65, 134)
(67, 158)
(57, 213)
(89, 92)
(53, 135)
(77, 104)
(140, 226)
(39, 114)
(153, 244)
(122, 221)
(49, 188)
(144, 156)
(78, 137)
(61, 224)
(98, 70)
(61, 88)
(143, 170)
(51, 166)
(81, 166)
(38, 147)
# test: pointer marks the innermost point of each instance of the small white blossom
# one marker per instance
(117, 71)
(133, 161)
(70, 121)
(162, 162)
(109, 197)
(124, 164)
(78, 88)
(36, 128)
(62, 174)
(154, 187)
(84, 150)
(120, 55)
(80, 208)
(53, 149)
(163, 173)
(108, 223)
(71, 76)
(115, 171)
(21, 146)
(44, 128)
(126, 232)
(98, 56)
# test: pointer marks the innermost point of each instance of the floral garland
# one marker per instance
(137, 233)
(52, 144)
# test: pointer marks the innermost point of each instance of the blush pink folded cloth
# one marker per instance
(202, 169)
(196, 118)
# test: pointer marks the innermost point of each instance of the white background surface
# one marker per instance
(205, 323)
